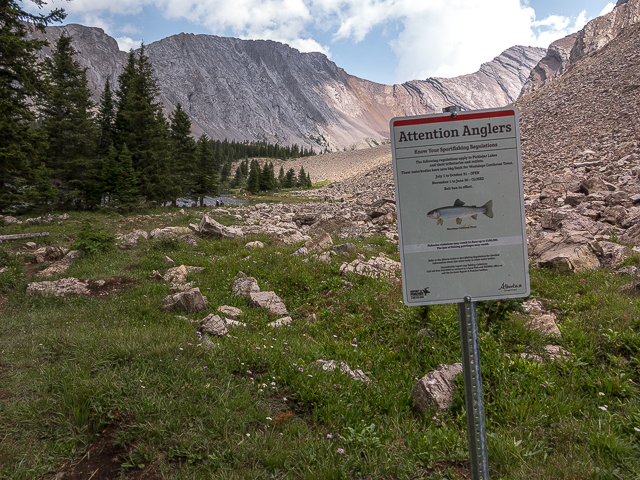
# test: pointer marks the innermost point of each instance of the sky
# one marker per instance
(384, 41)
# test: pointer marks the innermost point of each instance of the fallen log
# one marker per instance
(18, 236)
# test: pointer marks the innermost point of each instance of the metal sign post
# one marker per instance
(476, 429)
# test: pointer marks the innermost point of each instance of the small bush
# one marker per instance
(90, 240)
(11, 271)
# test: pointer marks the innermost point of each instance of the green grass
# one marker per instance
(256, 407)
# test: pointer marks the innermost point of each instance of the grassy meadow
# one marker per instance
(116, 366)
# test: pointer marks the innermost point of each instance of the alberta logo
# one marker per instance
(416, 294)
(510, 286)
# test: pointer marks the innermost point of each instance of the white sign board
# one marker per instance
(460, 206)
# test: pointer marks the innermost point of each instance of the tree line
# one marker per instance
(58, 149)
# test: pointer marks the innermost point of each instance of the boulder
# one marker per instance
(189, 301)
(131, 239)
(436, 388)
(244, 286)
(229, 311)
(376, 267)
(269, 300)
(60, 266)
(544, 324)
(59, 288)
(159, 233)
(210, 228)
(319, 244)
(49, 254)
(281, 322)
(576, 251)
(213, 325)
(631, 236)
(593, 184)
(178, 275)
(614, 254)
(256, 244)
(632, 289)
(168, 261)
(331, 365)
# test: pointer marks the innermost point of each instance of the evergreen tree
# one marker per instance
(206, 175)
(126, 191)
(281, 176)
(140, 124)
(109, 175)
(182, 168)
(302, 178)
(19, 81)
(106, 120)
(290, 178)
(225, 172)
(238, 179)
(68, 123)
(309, 182)
(253, 183)
(42, 192)
(244, 168)
(267, 179)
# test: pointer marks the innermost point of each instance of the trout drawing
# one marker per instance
(460, 210)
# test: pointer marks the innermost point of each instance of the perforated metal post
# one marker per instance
(476, 428)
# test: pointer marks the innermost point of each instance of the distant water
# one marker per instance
(211, 201)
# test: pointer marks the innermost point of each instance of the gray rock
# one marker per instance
(256, 244)
(614, 254)
(213, 325)
(210, 228)
(162, 233)
(344, 247)
(229, 311)
(207, 342)
(544, 324)
(269, 300)
(319, 244)
(437, 388)
(331, 365)
(168, 261)
(577, 251)
(60, 266)
(281, 322)
(190, 301)
(59, 288)
(131, 239)
(376, 267)
(244, 287)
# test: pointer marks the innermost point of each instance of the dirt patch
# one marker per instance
(102, 460)
(130, 268)
(100, 288)
(461, 471)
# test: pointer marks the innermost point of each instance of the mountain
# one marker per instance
(265, 90)
(590, 113)
(595, 35)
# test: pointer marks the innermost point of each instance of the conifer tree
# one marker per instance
(106, 120)
(20, 145)
(126, 191)
(238, 179)
(281, 176)
(302, 177)
(109, 176)
(206, 175)
(290, 178)
(309, 182)
(140, 124)
(68, 123)
(182, 170)
(253, 183)
(267, 179)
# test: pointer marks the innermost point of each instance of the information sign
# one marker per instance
(460, 207)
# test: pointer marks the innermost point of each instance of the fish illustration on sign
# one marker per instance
(459, 210)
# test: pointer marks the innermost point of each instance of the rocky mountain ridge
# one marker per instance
(265, 90)
(595, 35)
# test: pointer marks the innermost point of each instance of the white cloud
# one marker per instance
(607, 8)
(125, 43)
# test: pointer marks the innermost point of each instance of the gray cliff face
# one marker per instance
(554, 63)
(265, 90)
(595, 35)
(98, 52)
